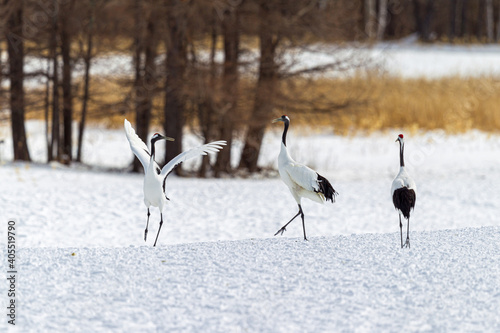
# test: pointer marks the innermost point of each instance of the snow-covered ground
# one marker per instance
(406, 59)
(219, 268)
(448, 282)
(436, 61)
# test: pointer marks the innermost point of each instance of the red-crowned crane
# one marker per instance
(302, 181)
(155, 177)
(404, 193)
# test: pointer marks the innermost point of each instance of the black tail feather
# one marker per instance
(404, 200)
(326, 188)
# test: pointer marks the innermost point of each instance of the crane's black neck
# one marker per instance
(153, 141)
(401, 152)
(287, 123)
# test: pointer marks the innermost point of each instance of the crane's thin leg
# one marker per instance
(283, 229)
(161, 223)
(401, 230)
(408, 234)
(303, 224)
(147, 224)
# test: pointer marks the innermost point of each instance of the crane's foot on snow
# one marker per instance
(407, 244)
(281, 231)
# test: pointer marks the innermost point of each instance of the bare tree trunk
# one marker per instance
(463, 19)
(67, 111)
(175, 64)
(429, 16)
(480, 20)
(15, 49)
(370, 16)
(453, 21)
(1, 67)
(47, 109)
(382, 19)
(86, 85)
(418, 17)
(265, 91)
(148, 83)
(55, 151)
(230, 28)
(497, 37)
(206, 103)
(138, 50)
(489, 20)
(424, 20)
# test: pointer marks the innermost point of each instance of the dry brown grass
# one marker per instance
(378, 103)
(363, 103)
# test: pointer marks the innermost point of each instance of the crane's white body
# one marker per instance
(155, 178)
(153, 188)
(403, 180)
(301, 180)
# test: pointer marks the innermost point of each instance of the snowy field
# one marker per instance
(83, 264)
(448, 282)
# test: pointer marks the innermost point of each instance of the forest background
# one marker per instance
(225, 68)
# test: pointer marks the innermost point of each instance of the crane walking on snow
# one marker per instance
(155, 177)
(404, 193)
(302, 181)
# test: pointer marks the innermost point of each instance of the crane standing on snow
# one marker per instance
(302, 181)
(155, 178)
(404, 192)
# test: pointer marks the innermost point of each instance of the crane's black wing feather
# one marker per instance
(326, 188)
(404, 200)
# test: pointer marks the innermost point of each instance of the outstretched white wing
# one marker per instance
(211, 147)
(138, 146)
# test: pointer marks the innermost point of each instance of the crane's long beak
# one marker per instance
(277, 119)
(168, 138)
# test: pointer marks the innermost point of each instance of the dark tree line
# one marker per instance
(15, 48)
(179, 76)
(446, 20)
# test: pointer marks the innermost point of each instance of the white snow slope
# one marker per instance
(448, 281)
(219, 269)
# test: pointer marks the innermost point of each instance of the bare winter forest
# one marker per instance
(227, 68)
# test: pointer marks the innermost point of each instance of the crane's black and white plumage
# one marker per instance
(404, 192)
(302, 181)
(155, 177)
